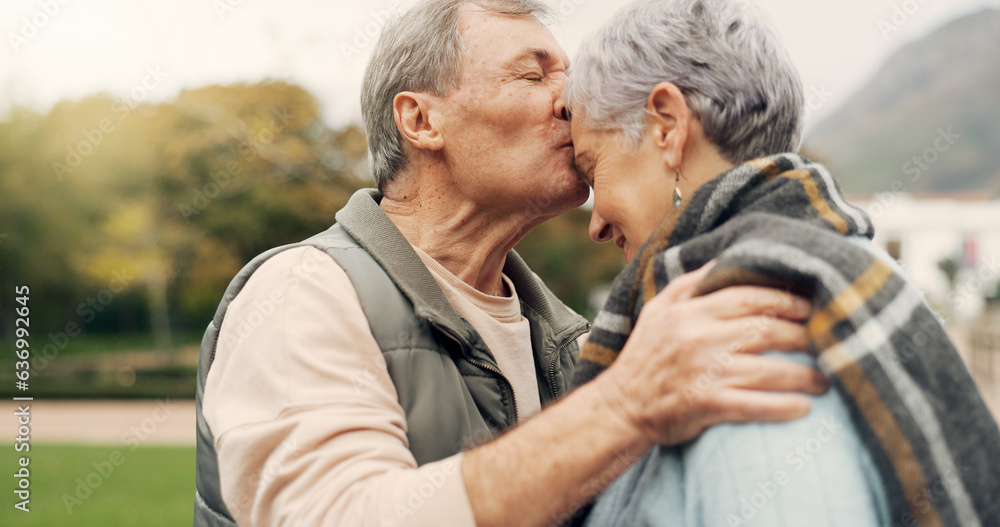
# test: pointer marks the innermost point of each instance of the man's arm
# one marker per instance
(309, 438)
(688, 364)
(307, 424)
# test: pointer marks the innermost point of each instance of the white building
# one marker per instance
(922, 230)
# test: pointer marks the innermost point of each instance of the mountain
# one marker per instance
(929, 121)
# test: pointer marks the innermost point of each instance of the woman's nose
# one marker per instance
(600, 230)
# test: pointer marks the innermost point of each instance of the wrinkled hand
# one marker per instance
(691, 363)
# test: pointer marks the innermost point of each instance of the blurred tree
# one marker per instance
(253, 167)
(179, 194)
(132, 244)
(40, 226)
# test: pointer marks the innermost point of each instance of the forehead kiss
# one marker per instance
(507, 114)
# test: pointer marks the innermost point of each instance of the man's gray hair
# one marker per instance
(735, 75)
(420, 51)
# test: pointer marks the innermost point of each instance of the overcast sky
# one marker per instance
(56, 49)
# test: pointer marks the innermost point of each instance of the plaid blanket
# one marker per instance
(782, 222)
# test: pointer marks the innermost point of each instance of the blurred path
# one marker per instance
(163, 422)
(144, 422)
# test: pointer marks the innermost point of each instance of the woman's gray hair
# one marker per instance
(421, 51)
(735, 75)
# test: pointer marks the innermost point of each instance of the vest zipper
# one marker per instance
(555, 356)
(483, 365)
(510, 387)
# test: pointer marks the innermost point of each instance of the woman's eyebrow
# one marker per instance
(582, 164)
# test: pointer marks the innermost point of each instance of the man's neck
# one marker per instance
(469, 241)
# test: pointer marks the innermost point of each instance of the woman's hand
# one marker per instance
(692, 362)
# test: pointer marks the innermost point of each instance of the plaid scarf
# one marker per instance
(782, 222)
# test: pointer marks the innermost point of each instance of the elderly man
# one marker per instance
(369, 385)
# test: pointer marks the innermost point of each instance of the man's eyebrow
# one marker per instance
(539, 54)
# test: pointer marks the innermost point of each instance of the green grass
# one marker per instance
(152, 486)
(121, 342)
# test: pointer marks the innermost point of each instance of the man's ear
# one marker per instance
(671, 120)
(412, 112)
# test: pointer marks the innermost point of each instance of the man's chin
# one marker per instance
(574, 196)
(577, 192)
(559, 195)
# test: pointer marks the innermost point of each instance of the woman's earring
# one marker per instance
(677, 189)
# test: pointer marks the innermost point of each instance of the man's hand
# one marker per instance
(692, 362)
(689, 363)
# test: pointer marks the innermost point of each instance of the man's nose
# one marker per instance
(600, 230)
(559, 108)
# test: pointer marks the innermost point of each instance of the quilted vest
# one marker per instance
(449, 385)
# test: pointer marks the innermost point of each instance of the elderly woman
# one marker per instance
(685, 117)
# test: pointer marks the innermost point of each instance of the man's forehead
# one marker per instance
(507, 38)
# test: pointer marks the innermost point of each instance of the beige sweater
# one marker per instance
(306, 420)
